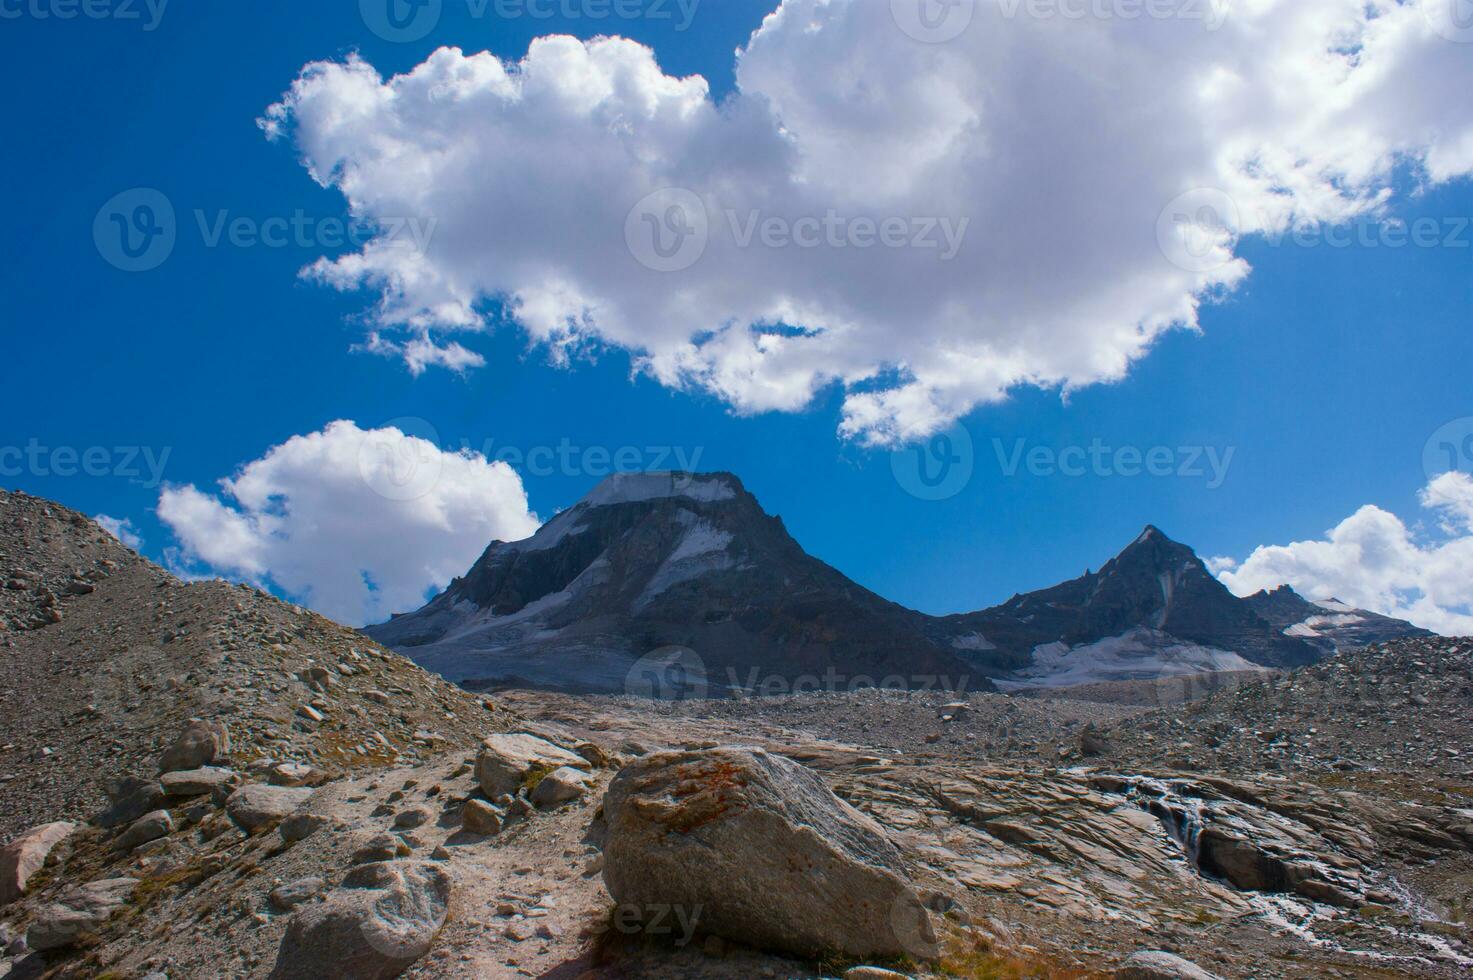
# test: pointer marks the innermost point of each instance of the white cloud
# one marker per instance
(357, 524)
(1060, 141)
(122, 529)
(1375, 561)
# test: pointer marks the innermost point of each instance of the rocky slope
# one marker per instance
(562, 836)
(1329, 624)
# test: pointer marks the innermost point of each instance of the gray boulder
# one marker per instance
(505, 761)
(80, 913)
(383, 918)
(770, 857)
(480, 817)
(150, 826)
(257, 807)
(27, 854)
(1156, 965)
(201, 743)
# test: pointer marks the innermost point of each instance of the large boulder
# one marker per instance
(80, 913)
(201, 743)
(1156, 965)
(257, 807)
(506, 761)
(383, 918)
(764, 851)
(27, 854)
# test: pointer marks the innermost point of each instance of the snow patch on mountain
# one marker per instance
(972, 641)
(1137, 654)
(702, 550)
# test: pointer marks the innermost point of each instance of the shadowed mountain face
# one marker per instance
(652, 561)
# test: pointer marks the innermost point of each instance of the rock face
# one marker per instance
(383, 918)
(1156, 965)
(79, 913)
(27, 854)
(201, 743)
(506, 760)
(258, 807)
(767, 854)
(130, 798)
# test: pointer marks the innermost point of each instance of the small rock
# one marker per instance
(300, 826)
(480, 817)
(1156, 965)
(200, 744)
(505, 761)
(257, 807)
(381, 847)
(286, 897)
(27, 854)
(184, 783)
(560, 786)
(79, 913)
(415, 816)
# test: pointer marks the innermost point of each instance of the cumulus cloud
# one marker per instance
(356, 524)
(1375, 561)
(812, 201)
(122, 529)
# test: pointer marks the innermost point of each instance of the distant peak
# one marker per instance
(625, 488)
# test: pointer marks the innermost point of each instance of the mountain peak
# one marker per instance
(625, 488)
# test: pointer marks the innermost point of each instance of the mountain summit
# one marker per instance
(651, 561)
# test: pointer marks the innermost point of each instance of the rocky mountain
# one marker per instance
(1329, 624)
(684, 571)
(658, 580)
(1154, 610)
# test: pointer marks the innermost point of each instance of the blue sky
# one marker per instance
(1324, 373)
